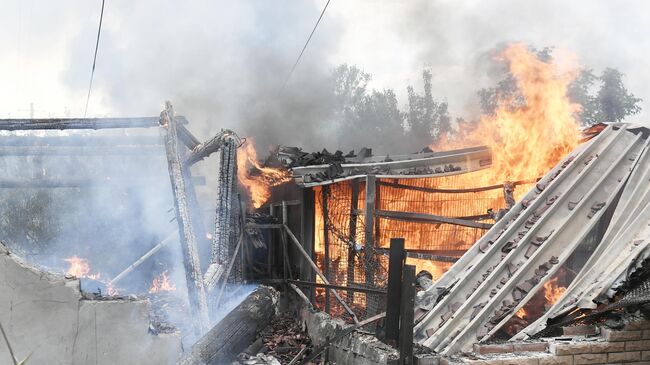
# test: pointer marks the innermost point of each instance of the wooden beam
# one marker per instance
(185, 136)
(369, 241)
(354, 205)
(337, 287)
(308, 217)
(81, 123)
(196, 291)
(326, 242)
(452, 191)
(430, 218)
(319, 273)
(406, 315)
(396, 261)
(205, 149)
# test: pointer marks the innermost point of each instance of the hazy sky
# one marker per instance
(222, 63)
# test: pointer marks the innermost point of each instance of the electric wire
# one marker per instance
(92, 71)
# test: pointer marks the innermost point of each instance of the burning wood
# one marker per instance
(161, 283)
(255, 177)
(235, 331)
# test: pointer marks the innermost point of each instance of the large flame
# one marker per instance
(79, 268)
(526, 140)
(527, 137)
(260, 182)
(161, 283)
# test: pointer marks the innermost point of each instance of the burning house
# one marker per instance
(519, 236)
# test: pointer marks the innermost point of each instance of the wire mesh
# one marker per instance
(340, 224)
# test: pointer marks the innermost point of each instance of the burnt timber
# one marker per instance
(431, 164)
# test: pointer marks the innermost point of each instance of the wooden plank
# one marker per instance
(354, 205)
(236, 330)
(196, 291)
(78, 123)
(452, 191)
(406, 315)
(430, 218)
(205, 149)
(307, 209)
(319, 273)
(396, 261)
(338, 287)
(326, 242)
(369, 242)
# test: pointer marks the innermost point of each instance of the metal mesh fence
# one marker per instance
(346, 260)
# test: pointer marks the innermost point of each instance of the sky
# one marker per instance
(223, 63)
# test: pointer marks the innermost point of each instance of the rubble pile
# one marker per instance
(280, 342)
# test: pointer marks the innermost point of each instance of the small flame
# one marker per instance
(552, 291)
(521, 313)
(80, 268)
(259, 185)
(161, 283)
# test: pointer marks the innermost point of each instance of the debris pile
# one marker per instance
(282, 340)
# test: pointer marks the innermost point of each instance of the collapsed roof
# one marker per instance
(602, 186)
(322, 168)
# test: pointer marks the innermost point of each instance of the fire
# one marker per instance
(552, 291)
(80, 268)
(527, 140)
(527, 137)
(521, 313)
(258, 185)
(161, 283)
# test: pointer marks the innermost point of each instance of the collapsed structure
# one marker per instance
(485, 254)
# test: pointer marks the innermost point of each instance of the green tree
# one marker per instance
(614, 101)
(366, 118)
(427, 120)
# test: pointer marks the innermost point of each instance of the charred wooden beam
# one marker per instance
(407, 315)
(354, 205)
(133, 150)
(319, 273)
(326, 242)
(338, 287)
(430, 218)
(76, 140)
(185, 136)
(396, 262)
(236, 331)
(369, 243)
(196, 291)
(452, 191)
(82, 123)
(227, 224)
(80, 183)
(205, 149)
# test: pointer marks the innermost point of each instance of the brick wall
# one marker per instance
(631, 345)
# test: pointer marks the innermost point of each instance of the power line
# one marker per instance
(92, 72)
(305, 46)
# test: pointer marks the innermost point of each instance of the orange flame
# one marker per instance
(526, 141)
(80, 268)
(161, 283)
(552, 291)
(258, 185)
(521, 313)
